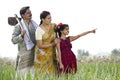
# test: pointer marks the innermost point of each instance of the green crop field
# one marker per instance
(86, 71)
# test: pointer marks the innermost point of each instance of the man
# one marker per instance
(24, 36)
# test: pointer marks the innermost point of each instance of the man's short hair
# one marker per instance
(23, 10)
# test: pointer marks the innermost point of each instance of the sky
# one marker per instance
(81, 15)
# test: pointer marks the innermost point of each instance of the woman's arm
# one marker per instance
(43, 46)
(72, 38)
(39, 40)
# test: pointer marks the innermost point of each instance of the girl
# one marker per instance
(66, 58)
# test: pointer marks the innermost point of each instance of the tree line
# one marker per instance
(114, 52)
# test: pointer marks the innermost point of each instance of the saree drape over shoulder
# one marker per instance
(45, 59)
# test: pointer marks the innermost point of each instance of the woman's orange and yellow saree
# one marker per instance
(45, 59)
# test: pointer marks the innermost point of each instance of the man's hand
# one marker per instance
(23, 32)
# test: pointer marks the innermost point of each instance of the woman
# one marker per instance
(45, 53)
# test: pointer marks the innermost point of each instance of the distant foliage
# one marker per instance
(82, 53)
(6, 61)
(115, 52)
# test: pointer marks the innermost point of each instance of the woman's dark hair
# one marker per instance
(60, 28)
(23, 10)
(43, 15)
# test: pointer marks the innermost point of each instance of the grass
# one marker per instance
(86, 71)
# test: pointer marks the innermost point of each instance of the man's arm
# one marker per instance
(16, 36)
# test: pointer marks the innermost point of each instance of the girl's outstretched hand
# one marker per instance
(93, 31)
